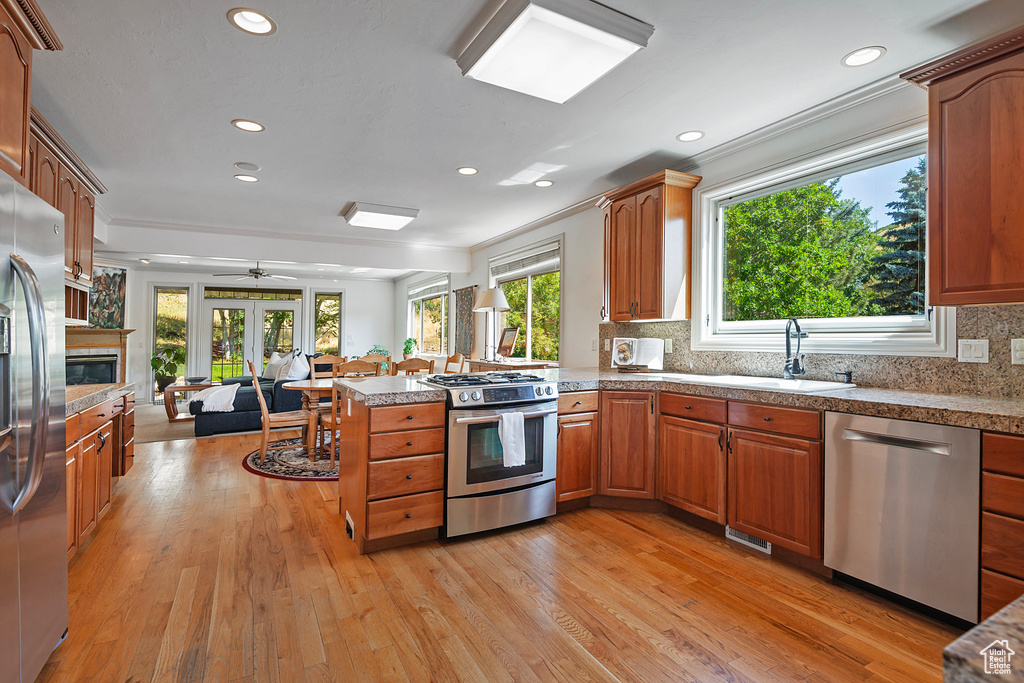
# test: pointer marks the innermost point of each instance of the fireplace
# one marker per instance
(93, 369)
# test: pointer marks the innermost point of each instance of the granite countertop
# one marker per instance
(993, 414)
(79, 397)
(963, 661)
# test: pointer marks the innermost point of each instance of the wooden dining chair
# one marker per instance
(410, 366)
(322, 361)
(290, 419)
(378, 358)
(332, 423)
(454, 364)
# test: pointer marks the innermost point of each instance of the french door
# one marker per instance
(236, 331)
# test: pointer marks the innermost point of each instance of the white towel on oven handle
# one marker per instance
(512, 435)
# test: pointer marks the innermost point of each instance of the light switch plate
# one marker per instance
(1017, 352)
(593, 345)
(668, 346)
(972, 350)
(607, 344)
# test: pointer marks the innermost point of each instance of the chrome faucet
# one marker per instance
(794, 361)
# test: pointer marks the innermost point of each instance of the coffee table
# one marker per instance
(171, 403)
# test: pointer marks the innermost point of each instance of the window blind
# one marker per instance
(428, 289)
(543, 257)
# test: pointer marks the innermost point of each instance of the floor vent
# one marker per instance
(748, 540)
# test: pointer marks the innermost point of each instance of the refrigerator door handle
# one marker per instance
(40, 382)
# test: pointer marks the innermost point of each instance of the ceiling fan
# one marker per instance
(255, 274)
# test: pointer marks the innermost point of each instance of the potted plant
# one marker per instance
(410, 347)
(165, 364)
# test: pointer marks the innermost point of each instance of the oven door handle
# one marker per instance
(494, 418)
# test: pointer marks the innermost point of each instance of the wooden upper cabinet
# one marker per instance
(45, 172)
(67, 202)
(84, 230)
(976, 172)
(628, 443)
(647, 247)
(15, 89)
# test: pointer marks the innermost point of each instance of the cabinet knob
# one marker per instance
(408, 443)
(767, 419)
(408, 516)
(687, 407)
(578, 403)
(408, 417)
(408, 476)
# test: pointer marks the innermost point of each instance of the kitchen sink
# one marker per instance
(796, 386)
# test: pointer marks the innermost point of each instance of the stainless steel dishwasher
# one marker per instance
(901, 508)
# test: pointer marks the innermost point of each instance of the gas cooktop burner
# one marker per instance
(481, 380)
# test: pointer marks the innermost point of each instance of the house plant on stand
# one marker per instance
(165, 364)
(409, 348)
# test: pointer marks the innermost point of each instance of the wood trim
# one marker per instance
(33, 24)
(666, 177)
(966, 58)
(62, 150)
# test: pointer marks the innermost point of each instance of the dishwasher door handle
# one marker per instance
(936, 447)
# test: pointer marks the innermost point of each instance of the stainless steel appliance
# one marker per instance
(481, 493)
(901, 508)
(33, 531)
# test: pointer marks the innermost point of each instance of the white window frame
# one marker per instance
(422, 291)
(553, 265)
(930, 334)
(340, 294)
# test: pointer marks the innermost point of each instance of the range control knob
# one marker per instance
(548, 390)
(539, 390)
(463, 397)
(476, 395)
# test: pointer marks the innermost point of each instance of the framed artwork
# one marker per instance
(106, 300)
(507, 340)
(464, 299)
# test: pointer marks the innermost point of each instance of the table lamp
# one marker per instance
(494, 300)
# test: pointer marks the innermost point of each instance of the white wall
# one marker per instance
(365, 318)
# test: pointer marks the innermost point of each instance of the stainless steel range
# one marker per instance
(481, 491)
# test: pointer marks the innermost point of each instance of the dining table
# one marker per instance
(312, 391)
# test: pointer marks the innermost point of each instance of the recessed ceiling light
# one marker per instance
(690, 136)
(248, 126)
(247, 178)
(377, 216)
(246, 166)
(863, 56)
(251, 21)
(552, 54)
(321, 269)
(544, 183)
(144, 260)
(185, 262)
(467, 170)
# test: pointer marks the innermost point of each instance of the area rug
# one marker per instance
(291, 463)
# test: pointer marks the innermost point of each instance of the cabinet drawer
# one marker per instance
(394, 516)
(415, 416)
(96, 416)
(998, 591)
(128, 456)
(129, 401)
(129, 418)
(1002, 453)
(1002, 494)
(577, 402)
(1002, 544)
(72, 429)
(693, 407)
(402, 476)
(128, 432)
(412, 442)
(792, 421)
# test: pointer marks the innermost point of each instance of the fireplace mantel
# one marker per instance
(98, 338)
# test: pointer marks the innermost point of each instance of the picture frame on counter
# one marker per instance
(507, 341)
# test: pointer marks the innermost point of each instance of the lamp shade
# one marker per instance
(492, 299)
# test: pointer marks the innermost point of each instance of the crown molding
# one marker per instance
(49, 135)
(967, 58)
(103, 214)
(578, 207)
(33, 24)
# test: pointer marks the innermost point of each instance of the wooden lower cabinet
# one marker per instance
(71, 490)
(90, 461)
(774, 489)
(998, 591)
(104, 463)
(87, 469)
(1002, 521)
(628, 444)
(691, 467)
(578, 443)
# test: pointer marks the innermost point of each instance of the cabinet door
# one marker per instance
(71, 489)
(86, 508)
(45, 173)
(67, 202)
(577, 456)
(691, 467)
(774, 489)
(105, 444)
(975, 202)
(622, 260)
(84, 234)
(650, 218)
(627, 444)
(606, 289)
(15, 87)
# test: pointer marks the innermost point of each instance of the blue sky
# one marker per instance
(876, 187)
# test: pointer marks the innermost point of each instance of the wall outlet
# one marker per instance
(668, 346)
(607, 344)
(1017, 352)
(593, 345)
(972, 350)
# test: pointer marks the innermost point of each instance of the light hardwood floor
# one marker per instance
(203, 571)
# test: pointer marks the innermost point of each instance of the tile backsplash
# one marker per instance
(998, 377)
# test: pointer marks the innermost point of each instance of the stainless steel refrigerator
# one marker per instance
(33, 515)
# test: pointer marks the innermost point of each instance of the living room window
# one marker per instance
(532, 283)
(428, 315)
(837, 242)
(327, 323)
(170, 324)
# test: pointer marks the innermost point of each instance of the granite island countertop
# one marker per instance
(963, 661)
(979, 412)
(79, 397)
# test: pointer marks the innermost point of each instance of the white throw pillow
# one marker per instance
(274, 364)
(295, 369)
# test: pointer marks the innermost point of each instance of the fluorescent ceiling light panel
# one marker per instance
(552, 49)
(382, 217)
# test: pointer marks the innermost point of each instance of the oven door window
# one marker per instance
(485, 455)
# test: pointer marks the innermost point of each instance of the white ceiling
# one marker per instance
(363, 101)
